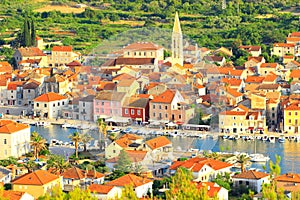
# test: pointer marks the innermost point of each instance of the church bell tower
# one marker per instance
(177, 43)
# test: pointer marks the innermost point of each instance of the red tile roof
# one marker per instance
(283, 45)
(232, 113)
(197, 163)
(165, 97)
(123, 142)
(13, 85)
(212, 188)
(232, 81)
(268, 65)
(136, 181)
(250, 48)
(38, 177)
(48, 97)
(251, 174)
(295, 73)
(9, 126)
(142, 46)
(100, 189)
(295, 34)
(31, 52)
(62, 48)
(233, 92)
(5, 67)
(12, 195)
(254, 79)
(130, 136)
(158, 142)
(289, 177)
(292, 107)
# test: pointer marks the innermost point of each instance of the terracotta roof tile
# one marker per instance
(295, 34)
(283, 45)
(31, 52)
(100, 189)
(254, 79)
(136, 181)
(268, 65)
(142, 46)
(123, 142)
(289, 177)
(38, 177)
(158, 142)
(48, 97)
(213, 188)
(165, 97)
(5, 67)
(131, 136)
(251, 174)
(250, 48)
(232, 81)
(233, 113)
(292, 107)
(62, 48)
(12, 195)
(13, 85)
(9, 126)
(110, 96)
(295, 73)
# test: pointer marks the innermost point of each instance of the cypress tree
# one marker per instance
(26, 34)
(33, 34)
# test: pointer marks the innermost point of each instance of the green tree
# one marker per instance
(76, 138)
(128, 193)
(26, 37)
(38, 143)
(33, 34)
(86, 138)
(57, 163)
(181, 187)
(102, 127)
(31, 166)
(124, 163)
(243, 159)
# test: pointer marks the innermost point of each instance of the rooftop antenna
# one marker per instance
(224, 4)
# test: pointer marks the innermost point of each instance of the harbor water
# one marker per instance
(288, 151)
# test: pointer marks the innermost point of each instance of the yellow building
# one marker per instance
(144, 50)
(241, 120)
(15, 139)
(36, 183)
(62, 55)
(291, 119)
(282, 49)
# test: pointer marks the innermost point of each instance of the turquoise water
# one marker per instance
(289, 151)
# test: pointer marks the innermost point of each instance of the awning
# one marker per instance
(260, 128)
(138, 119)
(118, 119)
(251, 128)
(171, 124)
(179, 123)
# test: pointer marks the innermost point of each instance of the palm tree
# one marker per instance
(85, 138)
(243, 159)
(38, 143)
(112, 136)
(31, 166)
(57, 163)
(76, 138)
(102, 127)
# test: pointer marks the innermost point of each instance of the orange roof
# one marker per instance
(269, 65)
(38, 177)
(123, 142)
(295, 73)
(100, 189)
(283, 45)
(212, 188)
(251, 174)
(165, 97)
(236, 72)
(5, 67)
(254, 79)
(257, 59)
(9, 126)
(293, 39)
(197, 163)
(292, 107)
(142, 46)
(232, 81)
(131, 136)
(13, 85)
(73, 173)
(219, 70)
(134, 155)
(233, 92)
(289, 177)
(232, 113)
(123, 76)
(136, 181)
(48, 97)
(158, 142)
(62, 48)
(271, 77)
(12, 195)
(295, 34)
(31, 52)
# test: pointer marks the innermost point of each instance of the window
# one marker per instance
(54, 105)
(233, 117)
(290, 113)
(166, 107)
(153, 114)
(83, 104)
(153, 106)
(138, 112)
(132, 111)
(58, 104)
(179, 116)
(296, 113)
(296, 121)
(28, 91)
(114, 151)
(102, 103)
(144, 53)
(63, 103)
(45, 105)
(97, 110)
(126, 111)
(166, 115)
(37, 104)
(4, 142)
(11, 91)
(102, 110)
(159, 107)
(273, 108)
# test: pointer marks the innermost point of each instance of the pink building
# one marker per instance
(108, 104)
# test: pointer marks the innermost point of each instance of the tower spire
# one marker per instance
(177, 42)
(176, 27)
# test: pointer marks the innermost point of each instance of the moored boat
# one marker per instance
(257, 157)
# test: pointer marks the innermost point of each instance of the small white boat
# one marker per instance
(265, 138)
(66, 125)
(281, 139)
(272, 139)
(42, 123)
(257, 157)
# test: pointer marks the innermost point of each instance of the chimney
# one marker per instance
(208, 188)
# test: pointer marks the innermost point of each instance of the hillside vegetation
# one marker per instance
(85, 24)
